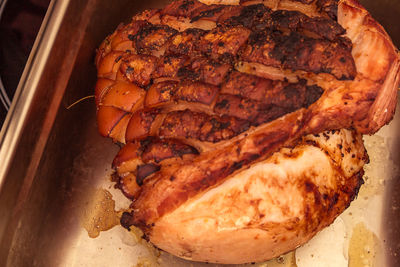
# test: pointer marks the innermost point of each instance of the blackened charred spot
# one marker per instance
(291, 92)
(219, 125)
(207, 13)
(309, 186)
(254, 157)
(252, 17)
(118, 59)
(126, 220)
(313, 93)
(189, 74)
(152, 37)
(333, 201)
(360, 182)
(131, 37)
(145, 170)
(312, 143)
(222, 104)
(129, 70)
(237, 165)
(238, 150)
(145, 142)
(186, 5)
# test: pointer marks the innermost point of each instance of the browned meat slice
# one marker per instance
(205, 70)
(247, 85)
(271, 113)
(124, 37)
(145, 170)
(318, 56)
(169, 65)
(196, 92)
(215, 12)
(169, 92)
(304, 1)
(182, 7)
(223, 41)
(136, 161)
(254, 17)
(201, 126)
(160, 93)
(283, 98)
(184, 42)
(159, 150)
(259, 49)
(298, 52)
(138, 68)
(270, 92)
(149, 150)
(239, 107)
(295, 21)
(151, 38)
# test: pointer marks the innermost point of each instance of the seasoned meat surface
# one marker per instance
(200, 91)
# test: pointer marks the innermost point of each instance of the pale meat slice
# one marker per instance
(223, 102)
(246, 218)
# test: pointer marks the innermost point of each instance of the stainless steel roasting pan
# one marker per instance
(52, 158)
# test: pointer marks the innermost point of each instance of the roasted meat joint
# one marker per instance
(241, 122)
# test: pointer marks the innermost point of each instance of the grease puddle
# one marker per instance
(99, 214)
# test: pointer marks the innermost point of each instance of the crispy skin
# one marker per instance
(234, 85)
(296, 21)
(181, 7)
(201, 126)
(240, 107)
(209, 71)
(298, 52)
(254, 17)
(138, 68)
(184, 42)
(152, 37)
(159, 150)
(169, 65)
(216, 13)
(223, 41)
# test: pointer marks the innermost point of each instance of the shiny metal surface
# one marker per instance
(51, 157)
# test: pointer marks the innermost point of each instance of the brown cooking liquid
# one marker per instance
(363, 247)
(100, 214)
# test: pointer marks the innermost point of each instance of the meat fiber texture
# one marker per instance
(241, 122)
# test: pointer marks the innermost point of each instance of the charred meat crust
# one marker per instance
(201, 126)
(152, 37)
(298, 52)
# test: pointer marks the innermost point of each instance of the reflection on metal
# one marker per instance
(4, 99)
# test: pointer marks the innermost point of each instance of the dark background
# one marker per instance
(19, 25)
